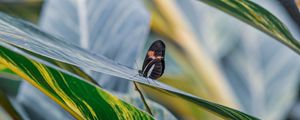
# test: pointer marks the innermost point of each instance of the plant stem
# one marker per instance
(143, 98)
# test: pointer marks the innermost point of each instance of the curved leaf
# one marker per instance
(26, 36)
(258, 17)
(114, 29)
(252, 61)
(81, 99)
(261, 66)
(204, 69)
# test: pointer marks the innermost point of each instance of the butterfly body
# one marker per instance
(154, 63)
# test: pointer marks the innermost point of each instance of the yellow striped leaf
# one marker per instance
(81, 99)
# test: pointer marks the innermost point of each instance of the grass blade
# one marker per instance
(81, 99)
(258, 17)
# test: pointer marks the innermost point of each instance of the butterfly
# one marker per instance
(154, 63)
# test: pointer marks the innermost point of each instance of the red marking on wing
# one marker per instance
(151, 54)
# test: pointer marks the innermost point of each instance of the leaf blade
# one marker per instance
(64, 52)
(258, 17)
(62, 87)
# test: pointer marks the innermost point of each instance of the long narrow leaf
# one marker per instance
(81, 99)
(253, 56)
(26, 36)
(114, 29)
(258, 17)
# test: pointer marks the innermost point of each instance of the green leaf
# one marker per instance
(71, 68)
(5, 70)
(259, 18)
(25, 9)
(129, 18)
(222, 111)
(83, 100)
(71, 89)
(216, 34)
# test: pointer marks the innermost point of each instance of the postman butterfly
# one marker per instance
(154, 63)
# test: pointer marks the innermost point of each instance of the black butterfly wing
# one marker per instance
(148, 67)
(163, 66)
(157, 70)
(158, 47)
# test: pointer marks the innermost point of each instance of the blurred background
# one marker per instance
(209, 54)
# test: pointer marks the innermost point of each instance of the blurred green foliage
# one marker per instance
(26, 9)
